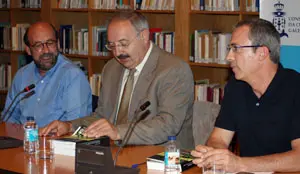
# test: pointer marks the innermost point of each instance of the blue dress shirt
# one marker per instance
(62, 94)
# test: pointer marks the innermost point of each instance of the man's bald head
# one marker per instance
(35, 28)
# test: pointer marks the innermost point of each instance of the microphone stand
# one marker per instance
(24, 97)
(26, 89)
(8, 108)
(129, 132)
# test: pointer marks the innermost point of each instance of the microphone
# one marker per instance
(29, 94)
(145, 105)
(137, 118)
(26, 89)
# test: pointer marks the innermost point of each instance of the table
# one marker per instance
(14, 159)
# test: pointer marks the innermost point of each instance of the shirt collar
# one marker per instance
(275, 83)
(141, 65)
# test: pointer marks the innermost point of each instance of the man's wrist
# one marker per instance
(242, 166)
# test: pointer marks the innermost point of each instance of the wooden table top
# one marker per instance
(15, 159)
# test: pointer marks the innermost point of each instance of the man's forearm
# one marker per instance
(281, 162)
(216, 144)
(220, 138)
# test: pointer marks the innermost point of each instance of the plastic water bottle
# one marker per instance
(31, 139)
(172, 156)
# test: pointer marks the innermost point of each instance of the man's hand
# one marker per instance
(102, 127)
(221, 157)
(58, 127)
(198, 153)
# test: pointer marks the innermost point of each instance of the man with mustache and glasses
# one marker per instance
(261, 106)
(62, 91)
(140, 72)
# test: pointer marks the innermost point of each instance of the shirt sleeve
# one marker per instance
(77, 96)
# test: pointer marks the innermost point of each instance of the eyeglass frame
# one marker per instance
(122, 46)
(43, 43)
(235, 48)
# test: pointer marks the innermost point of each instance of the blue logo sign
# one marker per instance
(279, 20)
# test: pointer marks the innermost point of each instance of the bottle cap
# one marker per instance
(171, 138)
(30, 118)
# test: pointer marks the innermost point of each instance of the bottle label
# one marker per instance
(31, 135)
(172, 158)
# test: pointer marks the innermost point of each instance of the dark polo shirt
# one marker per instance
(265, 125)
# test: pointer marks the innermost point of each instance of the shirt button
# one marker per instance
(42, 81)
(257, 104)
(38, 99)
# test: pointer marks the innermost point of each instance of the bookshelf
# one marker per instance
(183, 21)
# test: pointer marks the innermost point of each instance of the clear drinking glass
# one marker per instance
(45, 148)
(212, 169)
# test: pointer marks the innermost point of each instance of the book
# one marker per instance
(67, 145)
(156, 162)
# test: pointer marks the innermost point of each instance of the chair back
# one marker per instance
(204, 116)
(94, 102)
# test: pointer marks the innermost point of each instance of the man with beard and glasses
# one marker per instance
(140, 72)
(62, 91)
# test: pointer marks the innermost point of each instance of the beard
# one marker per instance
(51, 59)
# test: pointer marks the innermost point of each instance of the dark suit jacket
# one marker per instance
(167, 82)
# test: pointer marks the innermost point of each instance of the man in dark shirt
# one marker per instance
(261, 105)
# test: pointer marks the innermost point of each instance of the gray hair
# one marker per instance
(263, 32)
(137, 20)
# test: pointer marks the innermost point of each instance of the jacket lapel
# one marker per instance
(145, 79)
(118, 76)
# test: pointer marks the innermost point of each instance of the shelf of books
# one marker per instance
(25, 9)
(213, 65)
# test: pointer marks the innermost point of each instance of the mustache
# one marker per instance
(47, 55)
(122, 56)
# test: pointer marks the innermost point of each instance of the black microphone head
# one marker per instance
(28, 88)
(145, 105)
(144, 115)
(28, 94)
